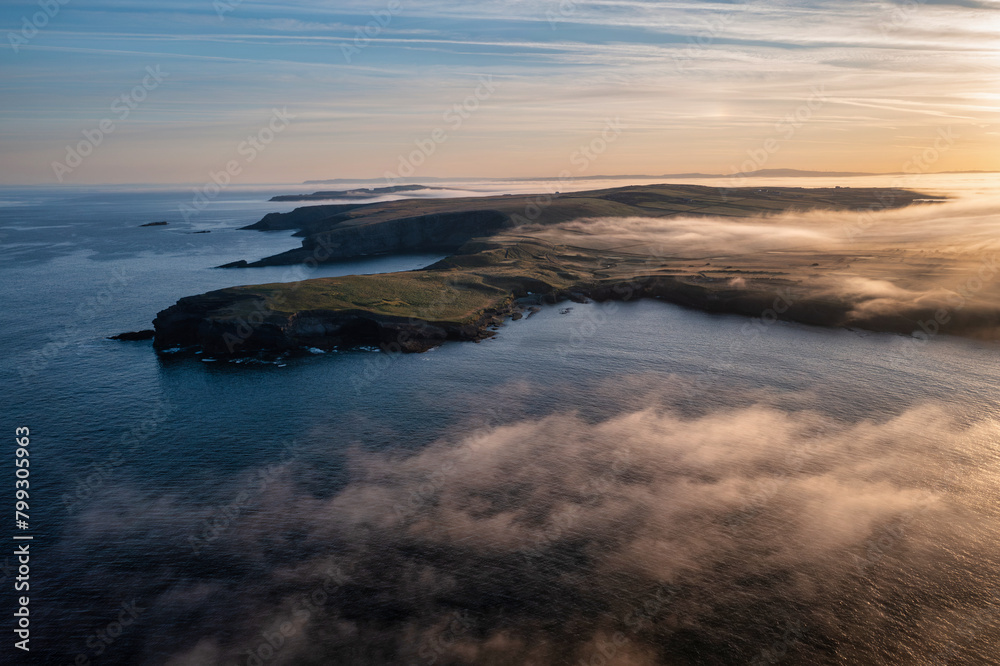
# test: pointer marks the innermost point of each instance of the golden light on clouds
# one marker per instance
(700, 86)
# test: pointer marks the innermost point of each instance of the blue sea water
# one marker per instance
(123, 439)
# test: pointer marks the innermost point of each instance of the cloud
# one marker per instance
(645, 537)
(688, 236)
(936, 261)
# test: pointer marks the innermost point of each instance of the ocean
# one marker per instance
(622, 483)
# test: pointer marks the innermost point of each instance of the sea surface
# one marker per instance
(598, 484)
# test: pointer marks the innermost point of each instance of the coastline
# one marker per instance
(495, 275)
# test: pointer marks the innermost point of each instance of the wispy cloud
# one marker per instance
(700, 82)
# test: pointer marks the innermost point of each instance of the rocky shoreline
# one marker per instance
(187, 325)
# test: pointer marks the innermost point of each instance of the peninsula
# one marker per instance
(508, 253)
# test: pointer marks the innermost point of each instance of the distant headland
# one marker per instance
(360, 193)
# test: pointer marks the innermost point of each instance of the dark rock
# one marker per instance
(134, 335)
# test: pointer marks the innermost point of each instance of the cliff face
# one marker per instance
(437, 232)
(190, 323)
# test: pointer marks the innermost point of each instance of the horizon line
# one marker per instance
(761, 173)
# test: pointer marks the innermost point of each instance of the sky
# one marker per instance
(114, 92)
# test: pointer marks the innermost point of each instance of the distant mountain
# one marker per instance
(761, 173)
(358, 181)
(798, 173)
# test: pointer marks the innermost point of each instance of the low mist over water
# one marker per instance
(740, 535)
